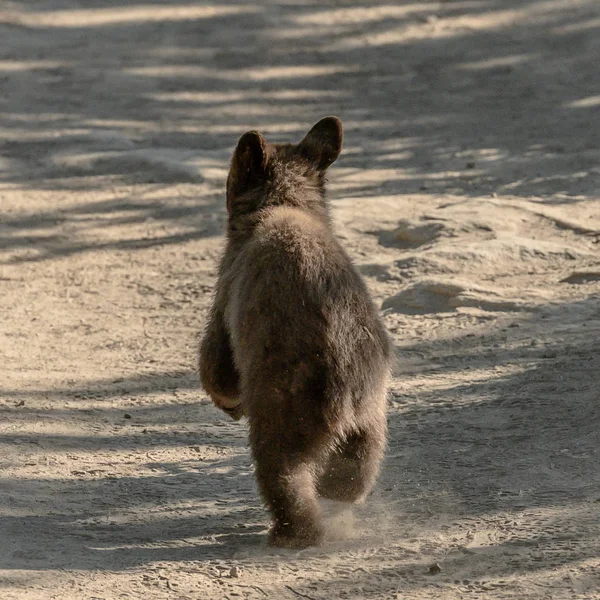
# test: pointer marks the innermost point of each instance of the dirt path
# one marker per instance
(468, 194)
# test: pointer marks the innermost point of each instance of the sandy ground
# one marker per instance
(468, 194)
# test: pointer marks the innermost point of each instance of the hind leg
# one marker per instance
(351, 469)
(286, 459)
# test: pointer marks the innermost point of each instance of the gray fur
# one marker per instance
(293, 341)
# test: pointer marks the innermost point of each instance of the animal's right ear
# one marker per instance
(323, 143)
(249, 162)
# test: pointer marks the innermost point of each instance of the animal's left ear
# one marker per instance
(248, 163)
(323, 143)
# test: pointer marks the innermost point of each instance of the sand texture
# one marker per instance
(468, 194)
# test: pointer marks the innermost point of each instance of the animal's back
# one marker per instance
(302, 320)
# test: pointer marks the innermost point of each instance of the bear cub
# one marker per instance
(293, 340)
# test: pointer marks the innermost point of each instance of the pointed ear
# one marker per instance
(248, 164)
(323, 143)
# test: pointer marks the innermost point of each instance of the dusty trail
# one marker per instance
(467, 193)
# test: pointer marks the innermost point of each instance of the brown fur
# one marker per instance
(293, 340)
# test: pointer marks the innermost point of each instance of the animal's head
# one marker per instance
(264, 174)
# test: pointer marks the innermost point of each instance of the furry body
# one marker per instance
(293, 340)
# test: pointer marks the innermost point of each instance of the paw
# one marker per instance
(236, 412)
(298, 537)
(232, 406)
